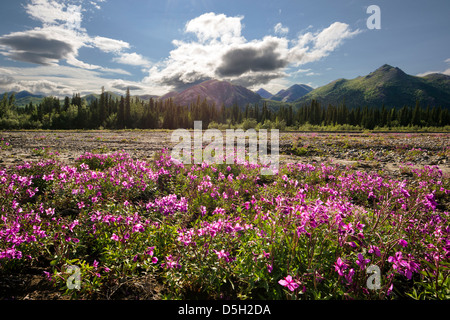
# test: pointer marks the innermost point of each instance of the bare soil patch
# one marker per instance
(387, 152)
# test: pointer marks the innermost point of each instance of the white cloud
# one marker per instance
(300, 71)
(217, 50)
(51, 12)
(96, 5)
(314, 46)
(80, 64)
(123, 85)
(279, 29)
(220, 51)
(59, 80)
(446, 71)
(60, 37)
(4, 71)
(46, 45)
(189, 62)
(133, 59)
(211, 26)
(109, 45)
(39, 86)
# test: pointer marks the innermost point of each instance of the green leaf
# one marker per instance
(73, 261)
(433, 267)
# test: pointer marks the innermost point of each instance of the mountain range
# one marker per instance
(214, 91)
(292, 93)
(264, 93)
(386, 85)
(25, 97)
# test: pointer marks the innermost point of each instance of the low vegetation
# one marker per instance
(163, 230)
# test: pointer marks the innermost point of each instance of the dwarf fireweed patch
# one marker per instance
(226, 230)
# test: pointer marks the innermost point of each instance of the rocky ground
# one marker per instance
(388, 152)
(29, 145)
(368, 151)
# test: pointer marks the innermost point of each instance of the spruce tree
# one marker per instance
(102, 107)
(127, 117)
(121, 113)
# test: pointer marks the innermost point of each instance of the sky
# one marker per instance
(55, 47)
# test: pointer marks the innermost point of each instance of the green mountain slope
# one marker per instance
(23, 98)
(387, 85)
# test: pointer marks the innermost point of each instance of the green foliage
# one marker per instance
(387, 85)
(117, 112)
(224, 231)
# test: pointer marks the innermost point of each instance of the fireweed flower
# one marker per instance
(171, 263)
(138, 228)
(25, 225)
(289, 283)
(340, 266)
(349, 276)
(114, 237)
(361, 262)
(352, 244)
(150, 253)
(374, 250)
(219, 211)
(403, 242)
(404, 266)
(221, 254)
(73, 224)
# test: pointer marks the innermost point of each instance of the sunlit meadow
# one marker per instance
(163, 230)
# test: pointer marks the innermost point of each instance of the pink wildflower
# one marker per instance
(289, 283)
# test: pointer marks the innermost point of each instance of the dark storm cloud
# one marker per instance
(38, 50)
(238, 61)
(180, 82)
(6, 80)
(124, 86)
(257, 79)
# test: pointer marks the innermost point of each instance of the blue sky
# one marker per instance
(63, 47)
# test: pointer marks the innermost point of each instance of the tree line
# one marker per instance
(129, 112)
